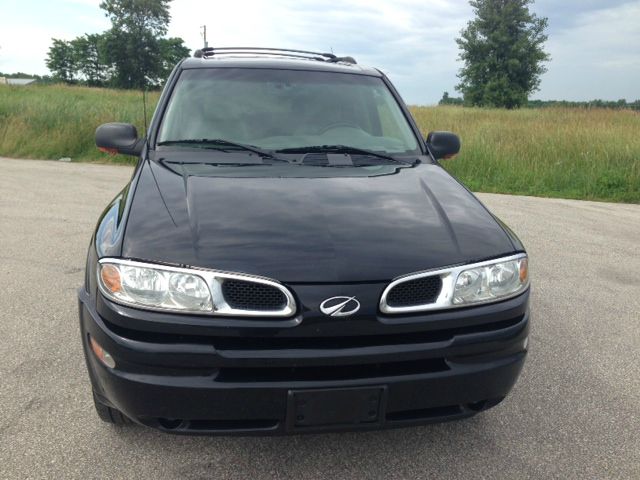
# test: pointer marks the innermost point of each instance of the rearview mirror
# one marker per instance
(443, 145)
(119, 138)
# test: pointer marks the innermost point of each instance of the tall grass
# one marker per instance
(51, 122)
(560, 152)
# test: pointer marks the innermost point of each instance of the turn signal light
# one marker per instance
(102, 354)
(524, 270)
(110, 276)
(110, 151)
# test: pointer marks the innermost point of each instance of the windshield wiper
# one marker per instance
(219, 142)
(340, 149)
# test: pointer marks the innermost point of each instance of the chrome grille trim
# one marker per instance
(449, 276)
(214, 280)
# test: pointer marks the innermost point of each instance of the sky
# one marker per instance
(594, 44)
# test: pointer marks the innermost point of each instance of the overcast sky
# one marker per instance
(594, 44)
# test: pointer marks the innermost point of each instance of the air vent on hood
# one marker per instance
(316, 159)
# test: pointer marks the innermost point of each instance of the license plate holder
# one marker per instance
(335, 407)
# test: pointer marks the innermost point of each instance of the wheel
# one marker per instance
(108, 414)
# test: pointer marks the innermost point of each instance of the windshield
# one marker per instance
(286, 110)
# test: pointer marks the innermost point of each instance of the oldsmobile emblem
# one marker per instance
(340, 306)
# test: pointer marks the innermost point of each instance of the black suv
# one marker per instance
(289, 257)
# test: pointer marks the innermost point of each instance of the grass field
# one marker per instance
(50, 122)
(571, 153)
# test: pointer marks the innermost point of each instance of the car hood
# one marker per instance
(334, 229)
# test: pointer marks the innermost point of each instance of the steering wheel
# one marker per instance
(339, 125)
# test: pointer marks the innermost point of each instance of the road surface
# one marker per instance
(574, 413)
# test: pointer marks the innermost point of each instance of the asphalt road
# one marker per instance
(575, 412)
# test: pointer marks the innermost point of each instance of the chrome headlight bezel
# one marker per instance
(449, 277)
(213, 280)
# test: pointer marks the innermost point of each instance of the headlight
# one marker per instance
(155, 287)
(457, 286)
(491, 281)
(188, 290)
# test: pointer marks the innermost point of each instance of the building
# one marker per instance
(16, 81)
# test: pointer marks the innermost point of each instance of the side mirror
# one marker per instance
(119, 138)
(443, 145)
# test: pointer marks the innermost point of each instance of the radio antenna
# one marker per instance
(144, 108)
(203, 33)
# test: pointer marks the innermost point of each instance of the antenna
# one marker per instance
(144, 107)
(203, 33)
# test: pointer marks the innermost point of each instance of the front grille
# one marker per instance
(243, 295)
(420, 291)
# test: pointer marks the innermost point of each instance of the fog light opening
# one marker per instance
(171, 423)
(104, 356)
(484, 404)
(477, 406)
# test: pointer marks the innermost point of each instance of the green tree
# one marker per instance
(448, 100)
(172, 50)
(61, 60)
(503, 54)
(90, 60)
(133, 44)
(132, 54)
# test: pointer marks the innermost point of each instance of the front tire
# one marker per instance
(109, 414)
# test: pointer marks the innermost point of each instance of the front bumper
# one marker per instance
(436, 367)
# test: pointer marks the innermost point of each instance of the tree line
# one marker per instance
(501, 50)
(621, 104)
(133, 53)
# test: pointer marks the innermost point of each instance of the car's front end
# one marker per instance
(209, 374)
(271, 289)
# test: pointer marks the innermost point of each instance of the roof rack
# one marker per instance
(210, 52)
